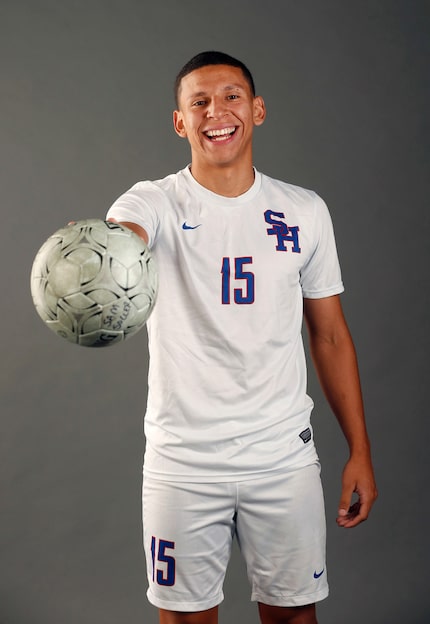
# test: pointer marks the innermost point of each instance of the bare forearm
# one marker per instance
(336, 365)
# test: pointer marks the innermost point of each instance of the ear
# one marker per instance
(178, 124)
(259, 110)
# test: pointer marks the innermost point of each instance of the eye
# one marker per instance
(199, 103)
(233, 96)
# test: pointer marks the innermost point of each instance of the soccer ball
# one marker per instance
(94, 283)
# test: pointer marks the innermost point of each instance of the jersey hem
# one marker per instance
(321, 294)
(178, 605)
(290, 601)
(234, 477)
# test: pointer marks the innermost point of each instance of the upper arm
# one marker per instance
(138, 229)
(325, 319)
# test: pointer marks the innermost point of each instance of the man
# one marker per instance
(229, 444)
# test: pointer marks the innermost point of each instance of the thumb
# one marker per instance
(345, 498)
(345, 501)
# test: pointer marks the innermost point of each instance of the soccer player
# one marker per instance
(229, 443)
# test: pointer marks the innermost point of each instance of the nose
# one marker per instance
(216, 108)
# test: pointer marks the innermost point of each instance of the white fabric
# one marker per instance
(227, 381)
(279, 522)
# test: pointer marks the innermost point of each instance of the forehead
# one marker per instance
(212, 78)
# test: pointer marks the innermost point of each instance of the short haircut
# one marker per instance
(211, 57)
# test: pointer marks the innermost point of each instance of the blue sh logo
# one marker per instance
(284, 233)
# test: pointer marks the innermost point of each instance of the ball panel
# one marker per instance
(127, 277)
(119, 315)
(88, 261)
(100, 338)
(79, 302)
(67, 318)
(97, 233)
(64, 277)
(61, 330)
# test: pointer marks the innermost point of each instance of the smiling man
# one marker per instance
(217, 114)
(229, 443)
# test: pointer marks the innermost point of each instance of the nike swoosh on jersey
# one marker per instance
(190, 227)
(318, 574)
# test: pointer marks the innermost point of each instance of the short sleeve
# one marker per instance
(321, 274)
(141, 204)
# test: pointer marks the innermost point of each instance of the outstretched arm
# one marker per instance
(335, 361)
(133, 226)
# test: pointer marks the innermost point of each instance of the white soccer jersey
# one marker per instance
(227, 378)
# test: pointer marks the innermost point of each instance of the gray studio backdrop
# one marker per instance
(86, 104)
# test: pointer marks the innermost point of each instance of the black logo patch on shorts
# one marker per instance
(306, 435)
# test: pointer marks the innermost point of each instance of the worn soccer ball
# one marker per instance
(94, 283)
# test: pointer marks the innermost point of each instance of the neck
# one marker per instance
(226, 181)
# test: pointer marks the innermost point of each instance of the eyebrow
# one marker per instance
(231, 87)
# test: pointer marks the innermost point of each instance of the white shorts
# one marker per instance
(279, 522)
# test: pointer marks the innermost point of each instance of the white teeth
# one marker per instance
(217, 133)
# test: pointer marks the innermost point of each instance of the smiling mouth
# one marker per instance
(220, 135)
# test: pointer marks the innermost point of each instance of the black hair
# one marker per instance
(211, 57)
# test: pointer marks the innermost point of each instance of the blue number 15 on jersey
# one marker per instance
(246, 293)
